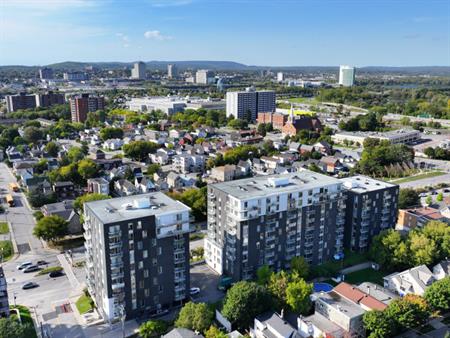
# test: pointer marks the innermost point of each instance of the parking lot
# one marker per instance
(203, 277)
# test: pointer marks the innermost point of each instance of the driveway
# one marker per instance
(203, 277)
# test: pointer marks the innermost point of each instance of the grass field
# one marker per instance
(303, 100)
(84, 303)
(418, 177)
(366, 275)
(6, 248)
(4, 229)
(26, 320)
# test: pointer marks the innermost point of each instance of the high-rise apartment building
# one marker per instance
(75, 76)
(247, 104)
(46, 73)
(204, 76)
(20, 101)
(371, 207)
(346, 76)
(138, 71)
(268, 220)
(280, 77)
(137, 254)
(49, 99)
(172, 71)
(80, 106)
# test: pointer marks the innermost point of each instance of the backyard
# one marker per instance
(84, 303)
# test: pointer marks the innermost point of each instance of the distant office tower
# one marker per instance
(280, 77)
(137, 254)
(80, 106)
(4, 305)
(138, 71)
(268, 220)
(220, 84)
(346, 76)
(247, 104)
(371, 207)
(20, 101)
(46, 73)
(204, 76)
(75, 76)
(172, 71)
(49, 99)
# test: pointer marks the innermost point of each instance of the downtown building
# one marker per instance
(172, 71)
(268, 220)
(137, 254)
(49, 99)
(346, 76)
(138, 71)
(247, 104)
(371, 208)
(20, 101)
(81, 105)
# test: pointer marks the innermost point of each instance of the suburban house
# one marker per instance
(64, 189)
(66, 211)
(412, 281)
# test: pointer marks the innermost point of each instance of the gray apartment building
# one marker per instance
(4, 305)
(371, 207)
(137, 254)
(20, 101)
(268, 220)
(49, 99)
(247, 104)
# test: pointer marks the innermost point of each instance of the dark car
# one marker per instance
(56, 274)
(31, 268)
(41, 263)
(29, 285)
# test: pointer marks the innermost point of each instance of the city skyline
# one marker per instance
(322, 33)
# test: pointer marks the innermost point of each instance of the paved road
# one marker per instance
(20, 216)
(431, 181)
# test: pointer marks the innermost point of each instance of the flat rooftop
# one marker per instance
(361, 184)
(388, 134)
(261, 186)
(341, 304)
(136, 206)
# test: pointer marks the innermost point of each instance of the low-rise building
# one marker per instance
(418, 217)
(98, 185)
(186, 163)
(412, 281)
(400, 136)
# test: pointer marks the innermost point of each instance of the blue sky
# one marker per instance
(264, 32)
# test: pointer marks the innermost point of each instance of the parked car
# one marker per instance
(23, 265)
(31, 268)
(54, 274)
(29, 285)
(194, 291)
(41, 263)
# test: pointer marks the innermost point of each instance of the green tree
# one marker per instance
(439, 233)
(153, 168)
(139, 150)
(409, 311)
(32, 134)
(389, 250)
(263, 275)
(408, 198)
(52, 148)
(298, 295)
(378, 324)
(195, 199)
(195, 316)
(438, 294)
(79, 201)
(429, 200)
(75, 154)
(153, 328)
(300, 266)
(277, 287)
(422, 249)
(87, 168)
(11, 328)
(111, 132)
(238, 124)
(214, 332)
(50, 228)
(243, 302)
(440, 197)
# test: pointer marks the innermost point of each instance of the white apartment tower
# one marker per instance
(247, 104)
(204, 76)
(138, 71)
(172, 71)
(346, 76)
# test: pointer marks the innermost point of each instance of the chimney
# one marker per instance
(368, 290)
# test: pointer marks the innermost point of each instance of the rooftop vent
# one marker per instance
(141, 203)
(110, 210)
(278, 182)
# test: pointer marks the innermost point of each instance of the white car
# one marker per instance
(194, 291)
(23, 265)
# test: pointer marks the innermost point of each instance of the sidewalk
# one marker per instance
(112, 331)
(69, 272)
(356, 267)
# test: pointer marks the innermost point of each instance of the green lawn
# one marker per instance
(418, 177)
(26, 319)
(6, 248)
(303, 100)
(4, 229)
(366, 275)
(194, 236)
(48, 270)
(331, 268)
(84, 303)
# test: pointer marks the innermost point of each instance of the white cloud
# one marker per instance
(48, 4)
(156, 35)
(170, 3)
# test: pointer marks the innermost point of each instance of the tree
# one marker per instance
(32, 134)
(439, 233)
(111, 132)
(50, 228)
(243, 302)
(195, 316)
(440, 197)
(389, 250)
(378, 324)
(153, 168)
(409, 311)
(195, 199)
(438, 294)
(11, 328)
(87, 168)
(79, 201)
(422, 249)
(263, 275)
(297, 296)
(38, 199)
(52, 148)
(139, 150)
(300, 266)
(238, 124)
(429, 200)
(153, 328)
(277, 287)
(408, 198)
(75, 154)
(214, 332)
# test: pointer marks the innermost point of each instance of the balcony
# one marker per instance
(116, 263)
(113, 234)
(117, 245)
(117, 286)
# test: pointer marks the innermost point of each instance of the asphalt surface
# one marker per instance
(431, 181)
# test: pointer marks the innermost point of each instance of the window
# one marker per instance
(160, 288)
(145, 254)
(153, 241)
(155, 281)
(130, 226)
(141, 284)
(139, 225)
(160, 269)
(146, 273)
(155, 262)
(144, 233)
(139, 245)
(147, 292)
(140, 265)
(179, 227)
(159, 250)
